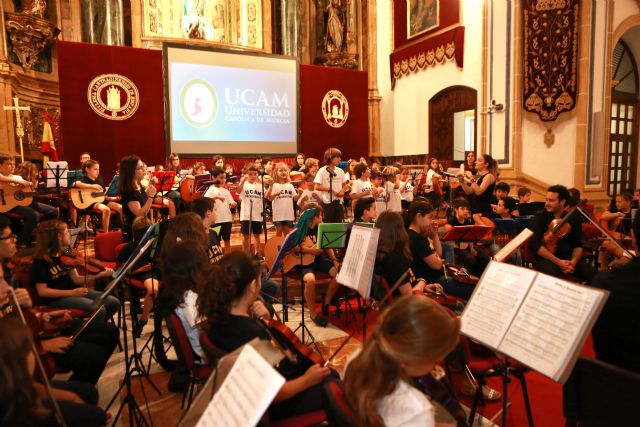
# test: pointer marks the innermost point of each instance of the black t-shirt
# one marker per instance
(214, 251)
(312, 233)
(53, 273)
(616, 334)
(136, 195)
(540, 225)
(420, 249)
(391, 266)
(86, 180)
(236, 331)
(454, 221)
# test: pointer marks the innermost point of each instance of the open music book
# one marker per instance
(245, 394)
(357, 267)
(539, 320)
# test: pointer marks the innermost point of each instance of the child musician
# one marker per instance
(283, 195)
(410, 338)
(250, 191)
(392, 188)
(361, 186)
(330, 183)
(407, 188)
(309, 194)
(223, 204)
(93, 181)
(381, 192)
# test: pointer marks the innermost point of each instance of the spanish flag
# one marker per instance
(47, 147)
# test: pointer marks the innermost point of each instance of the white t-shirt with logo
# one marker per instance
(251, 197)
(394, 204)
(306, 197)
(322, 178)
(222, 209)
(381, 201)
(282, 205)
(359, 186)
(407, 192)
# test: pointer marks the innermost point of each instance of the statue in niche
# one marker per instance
(335, 28)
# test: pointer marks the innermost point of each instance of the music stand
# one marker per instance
(467, 233)
(113, 191)
(57, 177)
(510, 226)
(288, 244)
(201, 182)
(336, 235)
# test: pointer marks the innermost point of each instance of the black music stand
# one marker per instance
(288, 244)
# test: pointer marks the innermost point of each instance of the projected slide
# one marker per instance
(226, 103)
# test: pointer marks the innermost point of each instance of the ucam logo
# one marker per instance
(253, 98)
(198, 103)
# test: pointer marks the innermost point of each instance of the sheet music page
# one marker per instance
(495, 302)
(545, 333)
(245, 394)
(514, 244)
(357, 267)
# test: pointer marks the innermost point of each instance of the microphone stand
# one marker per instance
(250, 225)
(264, 207)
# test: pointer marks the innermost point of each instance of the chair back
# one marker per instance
(338, 411)
(600, 394)
(212, 351)
(180, 340)
(22, 276)
(105, 245)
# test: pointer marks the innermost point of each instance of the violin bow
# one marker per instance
(376, 306)
(43, 372)
(605, 232)
(330, 358)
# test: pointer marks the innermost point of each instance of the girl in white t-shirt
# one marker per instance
(381, 193)
(223, 204)
(283, 195)
(411, 336)
(361, 186)
(407, 188)
(392, 188)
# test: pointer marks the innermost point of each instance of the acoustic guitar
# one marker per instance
(272, 248)
(186, 189)
(82, 198)
(12, 195)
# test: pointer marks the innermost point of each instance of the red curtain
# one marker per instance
(110, 140)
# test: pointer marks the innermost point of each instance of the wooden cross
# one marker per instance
(19, 129)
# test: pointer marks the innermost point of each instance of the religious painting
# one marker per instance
(233, 22)
(422, 16)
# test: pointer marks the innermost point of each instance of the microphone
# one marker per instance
(450, 175)
(331, 173)
(211, 182)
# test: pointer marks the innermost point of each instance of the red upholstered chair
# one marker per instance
(339, 414)
(198, 374)
(212, 351)
(105, 245)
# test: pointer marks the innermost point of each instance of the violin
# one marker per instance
(461, 274)
(558, 229)
(289, 343)
(86, 265)
(454, 303)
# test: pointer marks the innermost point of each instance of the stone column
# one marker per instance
(370, 63)
(102, 21)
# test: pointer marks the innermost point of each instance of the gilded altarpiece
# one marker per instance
(232, 22)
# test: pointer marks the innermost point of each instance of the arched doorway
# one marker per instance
(452, 124)
(623, 142)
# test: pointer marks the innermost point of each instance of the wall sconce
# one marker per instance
(494, 107)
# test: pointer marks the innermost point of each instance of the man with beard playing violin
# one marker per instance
(567, 257)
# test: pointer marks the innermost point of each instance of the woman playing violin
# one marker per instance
(227, 299)
(88, 355)
(394, 256)
(61, 285)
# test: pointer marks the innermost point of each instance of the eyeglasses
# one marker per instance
(10, 236)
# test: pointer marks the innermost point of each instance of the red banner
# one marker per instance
(112, 103)
(326, 120)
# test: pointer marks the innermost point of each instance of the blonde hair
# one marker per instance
(415, 329)
(276, 177)
(391, 171)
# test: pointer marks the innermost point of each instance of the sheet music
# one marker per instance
(245, 394)
(357, 267)
(513, 245)
(57, 170)
(495, 301)
(546, 331)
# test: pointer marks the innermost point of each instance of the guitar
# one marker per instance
(12, 195)
(272, 248)
(186, 189)
(82, 198)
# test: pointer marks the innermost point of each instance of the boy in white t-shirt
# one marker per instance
(250, 191)
(361, 186)
(309, 194)
(223, 204)
(381, 193)
(407, 188)
(330, 184)
(392, 188)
